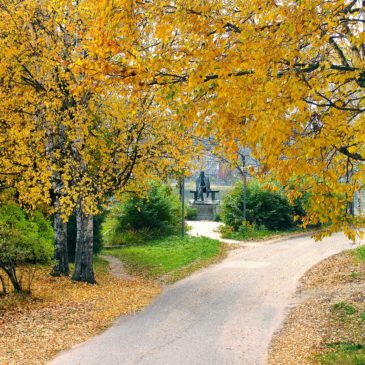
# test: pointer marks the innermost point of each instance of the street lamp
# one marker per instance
(247, 163)
(182, 187)
(245, 173)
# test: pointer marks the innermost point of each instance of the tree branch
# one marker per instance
(354, 156)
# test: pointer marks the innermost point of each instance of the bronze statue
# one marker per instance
(202, 186)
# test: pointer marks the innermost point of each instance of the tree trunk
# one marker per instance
(3, 284)
(11, 272)
(61, 255)
(14, 281)
(84, 247)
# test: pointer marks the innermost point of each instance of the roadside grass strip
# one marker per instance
(169, 259)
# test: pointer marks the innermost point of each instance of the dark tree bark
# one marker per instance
(84, 247)
(11, 272)
(61, 255)
(60, 227)
(3, 284)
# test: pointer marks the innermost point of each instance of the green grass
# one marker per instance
(343, 310)
(344, 354)
(100, 265)
(158, 258)
(355, 274)
(360, 253)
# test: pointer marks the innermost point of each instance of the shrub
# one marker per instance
(112, 235)
(138, 218)
(24, 242)
(245, 232)
(263, 208)
(191, 213)
(218, 217)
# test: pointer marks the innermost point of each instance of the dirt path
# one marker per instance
(116, 267)
(225, 314)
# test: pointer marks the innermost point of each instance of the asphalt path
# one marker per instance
(224, 314)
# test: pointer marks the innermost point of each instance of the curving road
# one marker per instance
(225, 314)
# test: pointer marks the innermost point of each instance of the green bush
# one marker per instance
(218, 217)
(24, 242)
(157, 214)
(191, 213)
(246, 232)
(263, 208)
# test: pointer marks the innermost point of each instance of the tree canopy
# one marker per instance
(285, 78)
(73, 125)
(95, 93)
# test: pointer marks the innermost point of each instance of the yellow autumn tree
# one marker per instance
(78, 124)
(285, 79)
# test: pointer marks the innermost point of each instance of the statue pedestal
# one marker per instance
(207, 209)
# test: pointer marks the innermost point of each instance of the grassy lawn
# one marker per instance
(101, 266)
(169, 258)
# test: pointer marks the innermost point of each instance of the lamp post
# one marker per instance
(182, 207)
(247, 163)
(245, 173)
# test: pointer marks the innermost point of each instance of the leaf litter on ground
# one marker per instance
(329, 314)
(61, 313)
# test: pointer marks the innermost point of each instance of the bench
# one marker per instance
(195, 194)
(213, 192)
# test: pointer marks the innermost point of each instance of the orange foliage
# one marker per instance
(284, 78)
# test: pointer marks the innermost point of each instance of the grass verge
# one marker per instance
(171, 258)
(328, 327)
(350, 318)
(61, 313)
(344, 354)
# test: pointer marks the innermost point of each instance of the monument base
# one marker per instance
(207, 210)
